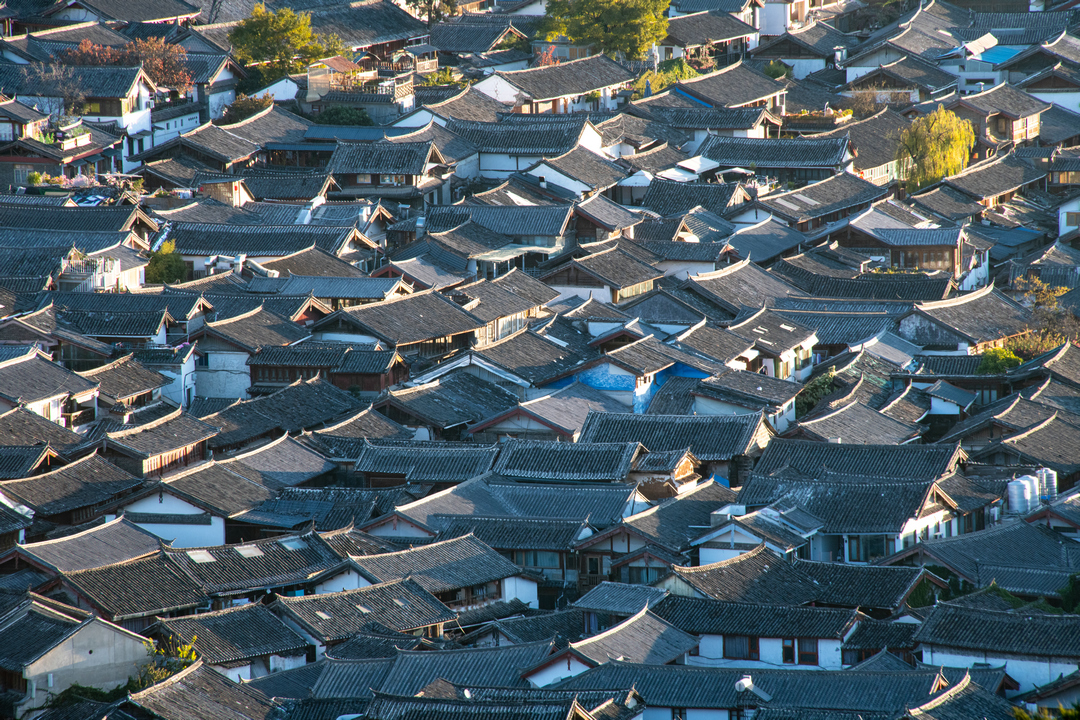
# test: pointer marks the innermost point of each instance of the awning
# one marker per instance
(699, 164)
(678, 175)
(113, 152)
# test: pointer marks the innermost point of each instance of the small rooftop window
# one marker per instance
(201, 556)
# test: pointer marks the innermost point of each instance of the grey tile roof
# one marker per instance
(873, 140)
(442, 566)
(879, 634)
(126, 378)
(701, 616)
(565, 409)
(141, 587)
(748, 389)
(31, 631)
(859, 424)
(819, 37)
(613, 267)
(668, 197)
(294, 683)
(171, 432)
(619, 598)
(266, 564)
(765, 241)
(236, 634)
(485, 667)
(199, 691)
(95, 81)
(419, 463)
(861, 585)
(455, 399)
(840, 192)
(912, 461)
(82, 484)
(996, 176)
(468, 105)
(562, 627)
(19, 426)
(573, 78)
(587, 167)
(588, 462)
(374, 641)
(740, 285)
(908, 71)
(675, 522)
(386, 158)
(978, 316)
(112, 542)
(710, 438)
(32, 378)
(466, 37)
(549, 220)
(947, 202)
(758, 576)
(775, 152)
(1007, 100)
(733, 86)
(521, 533)
(401, 605)
(538, 138)
(395, 320)
(996, 632)
(202, 239)
(643, 637)
(18, 461)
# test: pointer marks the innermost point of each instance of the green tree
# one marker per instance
(244, 107)
(166, 265)
(281, 41)
(997, 360)
(775, 69)
(442, 77)
(343, 115)
(432, 11)
(613, 27)
(1050, 324)
(667, 73)
(934, 146)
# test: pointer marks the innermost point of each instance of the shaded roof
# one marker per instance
(775, 152)
(996, 176)
(701, 616)
(112, 542)
(396, 320)
(710, 438)
(619, 598)
(576, 77)
(236, 634)
(84, 483)
(758, 576)
(668, 197)
(643, 637)
(419, 463)
(542, 460)
(438, 567)
(979, 316)
(198, 691)
(1014, 632)
(909, 461)
(823, 198)
(733, 86)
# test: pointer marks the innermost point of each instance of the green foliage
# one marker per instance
(1050, 324)
(76, 694)
(1070, 594)
(1062, 713)
(933, 147)
(282, 41)
(923, 595)
(244, 107)
(613, 27)
(344, 115)
(667, 73)
(997, 360)
(33, 178)
(445, 76)
(775, 70)
(432, 11)
(166, 265)
(812, 393)
(165, 661)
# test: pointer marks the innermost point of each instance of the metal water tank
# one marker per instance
(1048, 480)
(1019, 496)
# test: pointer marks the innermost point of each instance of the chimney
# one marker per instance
(543, 182)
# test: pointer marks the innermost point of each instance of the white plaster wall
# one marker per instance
(348, 580)
(1027, 671)
(557, 671)
(227, 375)
(521, 588)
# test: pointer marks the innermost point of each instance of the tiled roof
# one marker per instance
(1012, 632)
(701, 616)
(442, 566)
(386, 158)
(749, 389)
(538, 138)
(587, 167)
(401, 605)
(740, 285)
(199, 691)
(455, 399)
(31, 378)
(172, 432)
(668, 197)
(823, 198)
(710, 438)
(82, 484)
(588, 462)
(613, 267)
(861, 585)
(203, 239)
(733, 86)
(643, 637)
(112, 542)
(125, 378)
(518, 534)
(996, 176)
(775, 152)
(267, 564)
(674, 523)
(758, 577)
(420, 464)
(872, 139)
(978, 316)
(32, 630)
(236, 634)
(549, 220)
(619, 598)
(911, 461)
(141, 587)
(396, 320)
(19, 426)
(573, 78)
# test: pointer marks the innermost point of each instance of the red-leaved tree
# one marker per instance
(164, 63)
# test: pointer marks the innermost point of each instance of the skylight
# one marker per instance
(250, 551)
(201, 556)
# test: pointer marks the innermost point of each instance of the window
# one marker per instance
(740, 647)
(1072, 219)
(92, 108)
(594, 566)
(644, 575)
(808, 651)
(202, 360)
(789, 651)
(536, 558)
(363, 179)
(23, 171)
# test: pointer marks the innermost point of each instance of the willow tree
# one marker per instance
(933, 147)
